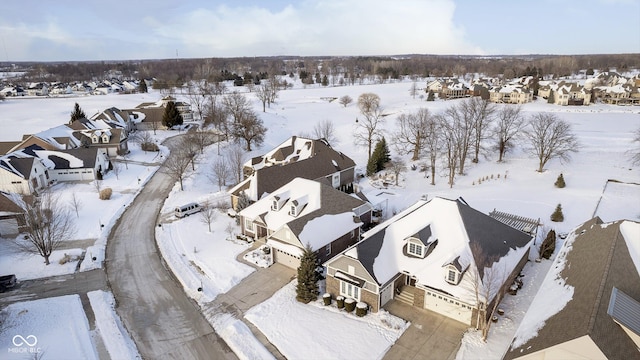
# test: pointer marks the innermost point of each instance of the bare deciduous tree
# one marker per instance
(75, 203)
(263, 94)
(410, 137)
(176, 166)
(413, 90)
(221, 171)
(482, 117)
(345, 100)
(249, 128)
(117, 169)
(509, 124)
(460, 125)
(208, 214)
(368, 102)
(397, 166)
(325, 129)
(235, 158)
(450, 145)
(237, 105)
(550, 137)
(196, 93)
(97, 184)
(47, 224)
(433, 145)
(367, 129)
(200, 139)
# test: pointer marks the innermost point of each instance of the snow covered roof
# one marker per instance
(325, 215)
(464, 235)
(296, 157)
(574, 297)
(9, 204)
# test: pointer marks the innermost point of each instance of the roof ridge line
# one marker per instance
(605, 275)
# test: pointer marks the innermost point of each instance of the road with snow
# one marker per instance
(163, 322)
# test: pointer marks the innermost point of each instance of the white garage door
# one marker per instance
(386, 294)
(447, 307)
(286, 259)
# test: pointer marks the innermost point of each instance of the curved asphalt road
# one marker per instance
(163, 322)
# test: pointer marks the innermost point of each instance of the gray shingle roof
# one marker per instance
(598, 261)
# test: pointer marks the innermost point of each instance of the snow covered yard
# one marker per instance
(315, 331)
(53, 328)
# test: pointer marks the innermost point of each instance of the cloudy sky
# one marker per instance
(34, 30)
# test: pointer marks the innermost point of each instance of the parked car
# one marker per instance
(187, 209)
(7, 282)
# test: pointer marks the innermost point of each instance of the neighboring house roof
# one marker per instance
(326, 214)
(296, 157)
(70, 159)
(595, 259)
(7, 146)
(20, 166)
(465, 238)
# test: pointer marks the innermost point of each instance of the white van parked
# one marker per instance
(186, 210)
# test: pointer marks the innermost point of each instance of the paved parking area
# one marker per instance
(430, 336)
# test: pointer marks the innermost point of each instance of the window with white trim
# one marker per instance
(349, 290)
(248, 224)
(415, 249)
(328, 249)
(452, 276)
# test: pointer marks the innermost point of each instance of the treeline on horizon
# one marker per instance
(179, 71)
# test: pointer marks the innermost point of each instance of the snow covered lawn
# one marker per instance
(54, 328)
(315, 331)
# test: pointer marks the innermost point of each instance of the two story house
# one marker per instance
(305, 212)
(441, 255)
(295, 157)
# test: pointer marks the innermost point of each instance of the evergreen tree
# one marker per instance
(307, 288)
(431, 96)
(325, 81)
(548, 246)
(171, 115)
(77, 113)
(560, 182)
(243, 202)
(379, 158)
(557, 215)
(142, 87)
(552, 98)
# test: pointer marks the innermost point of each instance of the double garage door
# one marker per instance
(285, 259)
(447, 307)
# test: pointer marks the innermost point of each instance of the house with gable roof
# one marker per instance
(305, 212)
(510, 94)
(149, 115)
(597, 291)
(440, 255)
(295, 157)
(23, 173)
(75, 164)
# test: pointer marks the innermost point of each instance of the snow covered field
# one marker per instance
(207, 259)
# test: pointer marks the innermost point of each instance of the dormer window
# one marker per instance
(279, 201)
(452, 275)
(94, 139)
(415, 249)
(274, 205)
(298, 205)
(105, 139)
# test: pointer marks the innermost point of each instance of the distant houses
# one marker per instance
(148, 115)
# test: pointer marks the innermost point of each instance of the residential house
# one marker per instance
(11, 214)
(75, 164)
(101, 135)
(440, 255)
(37, 89)
(115, 118)
(149, 115)
(510, 94)
(305, 212)
(23, 173)
(571, 94)
(596, 286)
(296, 157)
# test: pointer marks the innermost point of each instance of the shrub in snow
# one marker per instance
(557, 215)
(548, 246)
(361, 309)
(340, 302)
(65, 259)
(560, 182)
(327, 299)
(105, 194)
(349, 304)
